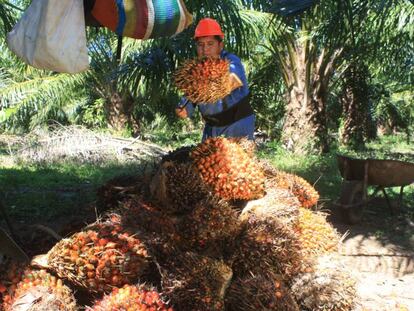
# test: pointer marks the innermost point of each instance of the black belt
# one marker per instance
(235, 113)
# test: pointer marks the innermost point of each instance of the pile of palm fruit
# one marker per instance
(210, 228)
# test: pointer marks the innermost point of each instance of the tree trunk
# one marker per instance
(119, 112)
(305, 128)
(307, 76)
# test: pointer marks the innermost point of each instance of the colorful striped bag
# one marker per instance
(143, 19)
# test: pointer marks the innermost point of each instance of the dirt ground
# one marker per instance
(379, 252)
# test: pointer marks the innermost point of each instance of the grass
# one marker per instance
(45, 193)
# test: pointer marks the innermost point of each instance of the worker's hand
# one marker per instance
(181, 112)
(235, 81)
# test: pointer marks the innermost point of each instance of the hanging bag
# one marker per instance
(143, 19)
(51, 35)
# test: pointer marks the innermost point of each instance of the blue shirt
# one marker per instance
(241, 128)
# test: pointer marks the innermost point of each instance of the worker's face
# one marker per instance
(208, 47)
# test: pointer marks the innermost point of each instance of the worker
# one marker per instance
(231, 116)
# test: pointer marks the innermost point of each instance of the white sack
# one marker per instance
(51, 35)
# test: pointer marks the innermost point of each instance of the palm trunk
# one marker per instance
(307, 77)
(119, 113)
(305, 128)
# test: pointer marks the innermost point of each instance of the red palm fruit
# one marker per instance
(228, 170)
(39, 290)
(269, 245)
(316, 235)
(212, 224)
(204, 80)
(195, 282)
(11, 273)
(265, 291)
(131, 297)
(94, 265)
(303, 190)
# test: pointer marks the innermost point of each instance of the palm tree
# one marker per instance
(312, 51)
(142, 77)
(387, 34)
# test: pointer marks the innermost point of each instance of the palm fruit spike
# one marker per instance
(160, 230)
(228, 170)
(278, 204)
(102, 256)
(265, 292)
(316, 235)
(39, 290)
(140, 214)
(305, 192)
(195, 282)
(246, 144)
(211, 225)
(268, 245)
(131, 297)
(179, 155)
(328, 288)
(177, 186)
(205, 80)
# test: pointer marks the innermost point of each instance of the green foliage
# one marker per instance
(267, 91)
(174, 135)
(92, 114)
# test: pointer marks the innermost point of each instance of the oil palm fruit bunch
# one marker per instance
(269, 245)
(131, 297)
(117, 190)
(11, 273)
(328, 288)
(305, 192)
(195, 282)
(161, 234)
(205, 80)
(263, 292)
(228, 170)
(140, 214)
(246, 144)
(211, 224)
(316, 235)
(39, 290)
(100, 257)
(278, 204)
(177, 186)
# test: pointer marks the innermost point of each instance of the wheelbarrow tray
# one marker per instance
(384, 173)
(358, 174)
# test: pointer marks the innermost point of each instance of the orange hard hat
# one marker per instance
(208, 27)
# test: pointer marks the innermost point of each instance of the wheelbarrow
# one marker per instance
(358, 174)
